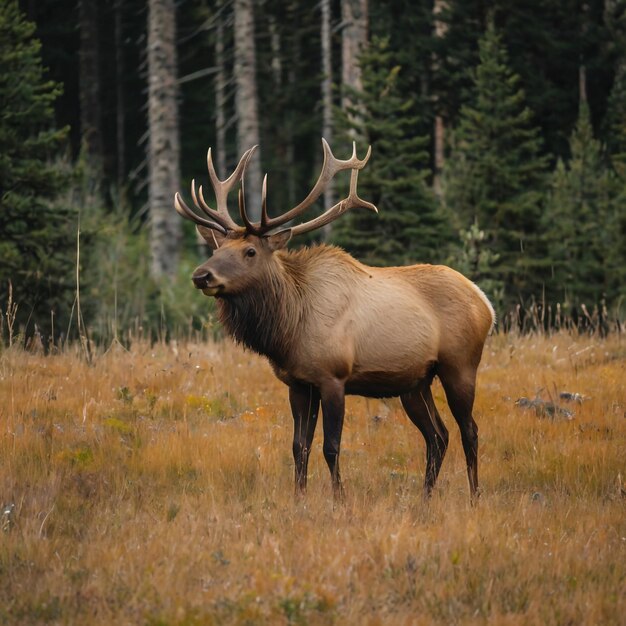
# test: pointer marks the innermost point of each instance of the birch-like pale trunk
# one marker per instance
(163, 144)
(220, 93)
(354, 17)
(120, 115)
(439, 129)
(327, 102)
(246, 102)
(295, 53)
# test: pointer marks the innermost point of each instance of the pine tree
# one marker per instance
(410, 226)
(36, 233)
(476, 259)
(616, 148)
(615, 123)
(581, 222)
(495, 175)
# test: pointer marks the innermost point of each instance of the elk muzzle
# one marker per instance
(205, 280)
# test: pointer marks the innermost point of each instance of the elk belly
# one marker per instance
(387, 384)
(380, 384)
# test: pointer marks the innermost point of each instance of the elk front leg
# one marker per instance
(305, 403)
(333, 406)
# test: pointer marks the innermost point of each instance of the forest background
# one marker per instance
(498, 134)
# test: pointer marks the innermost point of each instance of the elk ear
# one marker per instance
(278, 240)
(212, 237)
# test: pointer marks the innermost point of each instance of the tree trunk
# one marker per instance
(246, 101)
(582, 84)
(354, 16)
(119, 88)
(295, 54)
(89, 78)
(219, 82)
(439, 127)
(220, 93)
(327, 102)
(164, 147)
(275, 44)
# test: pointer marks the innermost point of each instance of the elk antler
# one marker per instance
(330, 168)
(351, 202)
(221, 220)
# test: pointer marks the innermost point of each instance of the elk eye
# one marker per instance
(250, 252)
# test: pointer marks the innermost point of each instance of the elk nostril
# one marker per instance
(202, 279)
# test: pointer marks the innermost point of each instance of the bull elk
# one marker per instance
(331, 326)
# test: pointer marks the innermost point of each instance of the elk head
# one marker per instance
(242, 253)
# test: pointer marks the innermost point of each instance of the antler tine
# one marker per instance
(249, 225)
(264, 217)
(222, 188)
(331, 166)
(186, 212)
(238, 172)
(255, 228)
(222, 219)
(351, 202)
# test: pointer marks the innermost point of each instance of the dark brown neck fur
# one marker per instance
(266, 318)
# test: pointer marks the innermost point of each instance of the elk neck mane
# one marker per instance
(268, 316)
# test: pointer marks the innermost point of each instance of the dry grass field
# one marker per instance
(154, 487)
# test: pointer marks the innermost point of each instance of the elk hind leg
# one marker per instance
(305, 402)
(420, 407)
(333, 407)
(460, 387)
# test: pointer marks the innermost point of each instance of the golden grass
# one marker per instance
(155, 487)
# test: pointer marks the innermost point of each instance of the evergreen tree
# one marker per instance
(36, 234)
(615, 124)
(616, 148)
(557, 36)
(495, 174)
(456, 50)
(581, 222)
(554, 35)
(410, 226)
(476, 259)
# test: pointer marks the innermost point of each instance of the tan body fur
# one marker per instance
(381, 330)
